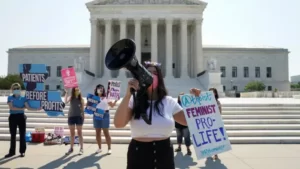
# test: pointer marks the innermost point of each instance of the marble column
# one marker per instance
(137, 37)
(169, 47)
(154, 50)
(123, 35)
(199, 60)
(108, 28)
(184, 51)
(95, 43)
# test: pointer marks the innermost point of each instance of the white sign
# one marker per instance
(205, 124)
(113, 90)
(59, 131)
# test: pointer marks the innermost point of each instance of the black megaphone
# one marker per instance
(122, 55)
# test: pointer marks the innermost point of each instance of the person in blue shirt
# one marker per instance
(17, 104)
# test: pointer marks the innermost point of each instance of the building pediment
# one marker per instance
(146, 2)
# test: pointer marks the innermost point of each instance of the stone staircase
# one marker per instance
(245, 122)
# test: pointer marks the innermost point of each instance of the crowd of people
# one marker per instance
(150, 146)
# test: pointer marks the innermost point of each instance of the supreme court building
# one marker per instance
(165, 31)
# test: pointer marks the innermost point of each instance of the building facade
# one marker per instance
(239, 65)
(295, 79)
(165, 31)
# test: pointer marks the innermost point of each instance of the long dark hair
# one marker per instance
(103, 91)
(178, 98)
(73, 94)
(143, 96)
(215, 92)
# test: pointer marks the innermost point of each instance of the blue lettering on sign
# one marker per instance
(212, 150)
(209, 136)
(204, 122)
(34, 76)
(92, 102)
(190, 100)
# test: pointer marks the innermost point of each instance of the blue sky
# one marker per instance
(226, 22)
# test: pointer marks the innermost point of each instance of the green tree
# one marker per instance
(255, 86)
(7, 81)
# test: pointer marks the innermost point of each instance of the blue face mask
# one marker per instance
(16, 92)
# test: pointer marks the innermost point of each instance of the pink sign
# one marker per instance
(69, 77)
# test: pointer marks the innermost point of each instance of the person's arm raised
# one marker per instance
(124, 112)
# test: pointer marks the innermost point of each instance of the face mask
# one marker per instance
(154, 83)
(99, 91)
(16, 92)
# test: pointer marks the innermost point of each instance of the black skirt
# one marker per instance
(150, 155)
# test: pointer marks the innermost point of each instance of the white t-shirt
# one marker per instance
(103, 104)
(161, 126)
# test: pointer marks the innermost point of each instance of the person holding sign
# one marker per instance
(103, 123)
(75, 117)
(215, 91)
(182, 131)
(150, 146)
(17, 104)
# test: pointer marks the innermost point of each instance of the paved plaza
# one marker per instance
(281, 156)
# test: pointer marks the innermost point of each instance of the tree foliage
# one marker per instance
(295, 86)
(255, 86)
(7, 81)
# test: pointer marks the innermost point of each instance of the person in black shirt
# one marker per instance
(182, 131)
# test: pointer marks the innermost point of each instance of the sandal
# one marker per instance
(178, 149)
(216, 157)
(189, 152)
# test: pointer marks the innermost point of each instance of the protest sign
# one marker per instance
(98, 115)
(69, 77)
(59, 131)
(34, 76)
(92, 102)
(205, 124)
(113, 90)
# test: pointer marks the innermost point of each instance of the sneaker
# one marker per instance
(109, 152)
(178, 149)
(22, 155)
(98, 151)
(9, 155)
(81, 151)
(70, 151)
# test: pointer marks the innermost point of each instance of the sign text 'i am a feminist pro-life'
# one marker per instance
(205, 124)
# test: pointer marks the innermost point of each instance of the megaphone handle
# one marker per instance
(132, 91)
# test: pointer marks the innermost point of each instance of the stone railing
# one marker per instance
(8, 92)
(5, 92)
(270, 94)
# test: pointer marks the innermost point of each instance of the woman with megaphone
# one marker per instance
(150, 146)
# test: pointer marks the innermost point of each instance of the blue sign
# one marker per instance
(34, 76)
(92, 102)
(99, 114)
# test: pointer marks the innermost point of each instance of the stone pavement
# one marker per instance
(281, 156)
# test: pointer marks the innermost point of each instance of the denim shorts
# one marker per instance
(76, 120)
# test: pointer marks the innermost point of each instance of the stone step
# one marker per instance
(224, 116)
(227, 126)
(233, 140)
(226, 112)
(231, 133)
(226, 121)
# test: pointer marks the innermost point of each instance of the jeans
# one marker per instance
(17, 120)
(183, 133)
